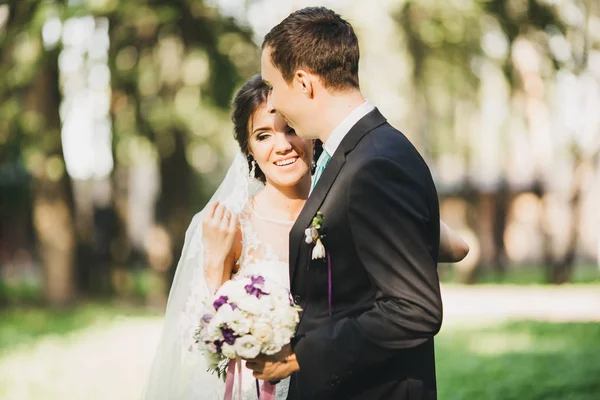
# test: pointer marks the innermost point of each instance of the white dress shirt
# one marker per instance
(338, 134)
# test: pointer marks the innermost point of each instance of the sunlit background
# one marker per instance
(115, 130)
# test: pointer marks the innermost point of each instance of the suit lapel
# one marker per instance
(312, 206)
(316, 198)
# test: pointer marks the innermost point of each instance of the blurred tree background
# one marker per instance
(115, 131)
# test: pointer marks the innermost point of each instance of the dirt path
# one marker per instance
(488, 304)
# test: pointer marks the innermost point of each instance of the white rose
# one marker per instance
(247, 346)
(266, 304)
(271, 348)
(280, 298)
(286, 316)
(241, 324)
(288, 334)
(262, 332)
(212, 331)
(237, 292)
(292, 316)
(250, 304)
(225, 313)
(228, 350)
(283, 336)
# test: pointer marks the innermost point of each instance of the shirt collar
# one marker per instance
(338, 134)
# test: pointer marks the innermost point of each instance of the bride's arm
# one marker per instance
(452, 247)
(220, 229)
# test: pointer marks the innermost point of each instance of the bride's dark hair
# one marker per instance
(247, 100)
(245, 103)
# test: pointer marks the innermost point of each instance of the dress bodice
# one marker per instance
(265, 247)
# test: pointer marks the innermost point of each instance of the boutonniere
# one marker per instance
(314, 235)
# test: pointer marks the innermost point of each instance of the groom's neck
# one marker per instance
(335, 107)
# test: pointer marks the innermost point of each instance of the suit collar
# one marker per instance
(338, 134)
(366, 124)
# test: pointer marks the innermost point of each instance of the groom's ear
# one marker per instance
(305, 82)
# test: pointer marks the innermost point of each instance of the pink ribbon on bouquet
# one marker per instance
(231, 378)
(267, 392)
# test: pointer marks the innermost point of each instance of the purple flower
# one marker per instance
(219, 346)
(233, 306)
(228, 335)
(257, 280)
(254, 291)
(219, 302)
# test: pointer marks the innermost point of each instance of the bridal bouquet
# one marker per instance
(247, 316)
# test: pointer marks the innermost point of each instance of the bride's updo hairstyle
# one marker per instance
(245, 103)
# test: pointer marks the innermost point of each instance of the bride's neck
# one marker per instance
(283, 203)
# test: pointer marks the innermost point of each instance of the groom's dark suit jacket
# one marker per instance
(381, 227)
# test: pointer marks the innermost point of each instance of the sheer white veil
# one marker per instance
(176, 372)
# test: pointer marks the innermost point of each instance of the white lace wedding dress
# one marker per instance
(265, 247)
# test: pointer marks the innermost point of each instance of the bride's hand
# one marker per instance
(219, 229)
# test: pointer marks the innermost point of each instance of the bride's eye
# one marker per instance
(262, 137)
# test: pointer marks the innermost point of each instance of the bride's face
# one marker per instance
(282, 156)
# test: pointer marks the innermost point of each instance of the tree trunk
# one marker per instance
(52, 195)
(484, 226)
(173, 205)
(561, 271)
(501, 209)
(469, 272)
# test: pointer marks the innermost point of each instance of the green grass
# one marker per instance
(19, 292)
(520, 361)
(514, 361)
(24, 325)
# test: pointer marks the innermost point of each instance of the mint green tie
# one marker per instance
(321, 164)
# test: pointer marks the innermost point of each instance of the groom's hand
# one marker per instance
(276, 367)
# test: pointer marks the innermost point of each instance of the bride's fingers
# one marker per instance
(210, 210)
(233, 221)
(208, 217)
(224, 222)
(218, 215)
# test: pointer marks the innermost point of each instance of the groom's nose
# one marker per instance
(270, 108)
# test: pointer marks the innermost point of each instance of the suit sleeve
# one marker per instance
(388, 212)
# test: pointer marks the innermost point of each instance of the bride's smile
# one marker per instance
(281, 155)
(286, 162)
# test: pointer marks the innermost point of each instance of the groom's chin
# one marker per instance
(302, 134)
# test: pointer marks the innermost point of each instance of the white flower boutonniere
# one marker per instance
(313, 235)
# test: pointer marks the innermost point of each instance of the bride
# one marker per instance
(244, 230)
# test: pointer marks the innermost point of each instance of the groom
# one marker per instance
(372, 304)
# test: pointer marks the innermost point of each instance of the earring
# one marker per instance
(253, 169)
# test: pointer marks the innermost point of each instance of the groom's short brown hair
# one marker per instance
(318, 40)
